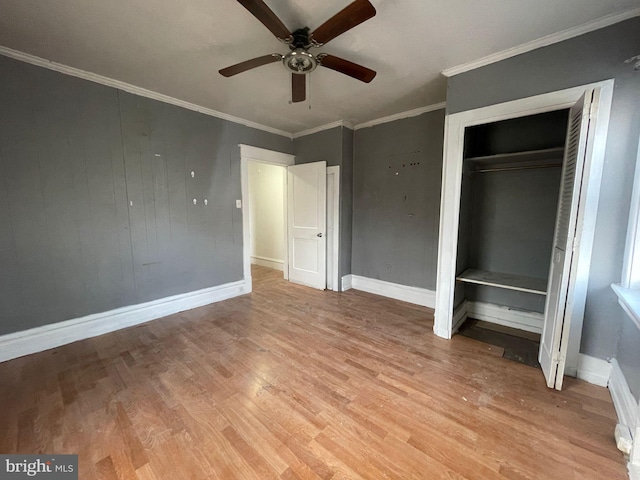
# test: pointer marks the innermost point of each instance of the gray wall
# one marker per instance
(588, 58)
(325, 145)
(334, 146)
(73, 154)
(395, 217)
(346, 202)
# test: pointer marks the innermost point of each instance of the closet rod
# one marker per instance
(508, 169)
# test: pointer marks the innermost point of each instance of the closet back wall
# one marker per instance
(512, 228)
(73, 155)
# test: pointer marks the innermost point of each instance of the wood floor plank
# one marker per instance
(106, 470)
(295, 383)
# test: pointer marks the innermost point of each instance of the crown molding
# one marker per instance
(399, 116)
(543, 42)
(143, 92)
(328, 126)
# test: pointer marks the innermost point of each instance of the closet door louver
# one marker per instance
(555, 334)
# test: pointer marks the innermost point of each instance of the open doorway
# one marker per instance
(252, 158)
(272, 221)
(267, 214)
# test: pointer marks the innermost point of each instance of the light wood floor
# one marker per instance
(289, 382)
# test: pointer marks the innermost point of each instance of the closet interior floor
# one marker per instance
(517, 345)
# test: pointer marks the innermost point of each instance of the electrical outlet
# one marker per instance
(388, 267)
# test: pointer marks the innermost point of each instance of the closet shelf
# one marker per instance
(548, 157)
(508, 281)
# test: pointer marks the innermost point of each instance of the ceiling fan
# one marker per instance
(300, 61)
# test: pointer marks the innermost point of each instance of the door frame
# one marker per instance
(455, 125)
(248, 154)
(335, 239)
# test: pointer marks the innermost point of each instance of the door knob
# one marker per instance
(319, 235)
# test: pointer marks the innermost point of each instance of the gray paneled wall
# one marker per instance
(73, 155)
(588, 58)
(396, 200)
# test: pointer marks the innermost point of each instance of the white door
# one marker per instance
(307, 224)
(555, 333)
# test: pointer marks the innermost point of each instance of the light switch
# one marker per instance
(238, 203)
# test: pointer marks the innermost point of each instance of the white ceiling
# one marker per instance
(176, 47)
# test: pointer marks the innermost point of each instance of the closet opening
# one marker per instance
(589, 107)
(511, 181)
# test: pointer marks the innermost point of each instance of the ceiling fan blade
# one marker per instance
(346, 19)
(298, 87)
(341, 65)
(249, 64)
(263, 13)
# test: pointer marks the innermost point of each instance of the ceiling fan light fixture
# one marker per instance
(300, 61)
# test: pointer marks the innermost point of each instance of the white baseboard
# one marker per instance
(628, 412)
(623, 400)
(593, 370)
(508, 317)
(460, 314)
(42, 338)
(415, 295)
(268, 262)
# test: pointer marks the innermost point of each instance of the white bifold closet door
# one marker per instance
(307, 217)
(558, 308)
